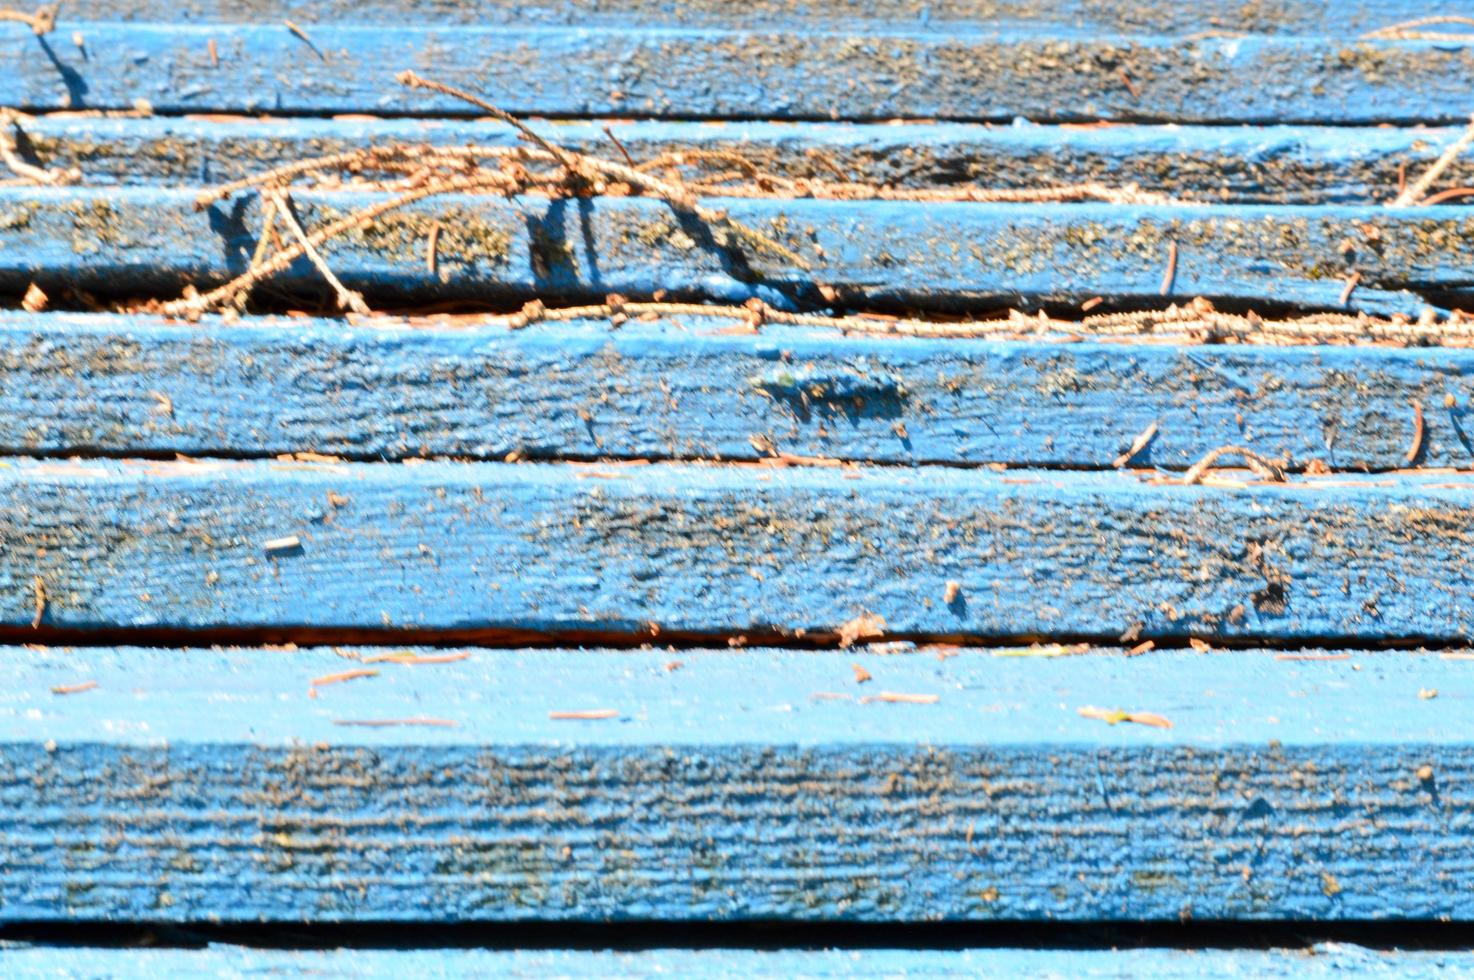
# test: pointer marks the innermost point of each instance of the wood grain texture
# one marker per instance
(203, 784)
(1228, 164)
(686, 389)
(1290, 17)
(935, 254)
(1324, 959)
(769, 71)
(728, 549)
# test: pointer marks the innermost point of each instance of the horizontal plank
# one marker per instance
(687, 388)
(204, 784)
(1328, 959)
(1265, 164)
(713, 550)
(1156, 16)
(136, 239)
(775, 72)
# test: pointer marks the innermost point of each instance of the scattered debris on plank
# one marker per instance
(597, 714)
(63, 689)
(893, 697)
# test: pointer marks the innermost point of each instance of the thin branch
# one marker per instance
(43, 21)
(1413, 193)
(10, 154)
(1263, 467)
(348, 299)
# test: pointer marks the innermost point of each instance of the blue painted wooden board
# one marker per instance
(497, 551)
(683, 388)
(1324, 959)
(949, 70)
(1227, 164)
(210, 784)
(144, 238)
(1292, 17)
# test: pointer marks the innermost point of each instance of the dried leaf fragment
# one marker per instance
(863, 627)
(1114, 716)
(34, 300)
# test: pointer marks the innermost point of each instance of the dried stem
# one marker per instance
(29, 173)
(1413, 193)
(347, 298)
(1408, 30)
(1264, 468)
(43, 21)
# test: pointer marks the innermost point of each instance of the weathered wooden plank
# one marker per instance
(722, 549)
(1324, 959)
(138, 239)
(1292, 17)
(689, 388)
(202, 784)
(1265, 164)
(866, 72)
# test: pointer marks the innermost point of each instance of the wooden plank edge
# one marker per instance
(1169, 964)
(772, 73)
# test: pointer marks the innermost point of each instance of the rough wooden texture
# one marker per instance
(688, 388)
(1265, 164)
(1325, 959)
(768, 71)
(938, 254)
(203, 784)
(727, 549)
(1292, 17)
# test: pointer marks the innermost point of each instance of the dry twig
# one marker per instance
(43, 21)
(1263, 467)
(1413, 194)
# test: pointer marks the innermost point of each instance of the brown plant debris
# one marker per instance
(42, 21)
(1194, 322)
(1263, 467)
(1412, 30)
(863, 627)
(892, 697)
(1137, 445)
(1114, 716)
(862, 675)
(1420, 433)
(34, 300)
(1413, 194)
(28, 172)
(598, 714)
(341, 677)
(39, 600)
